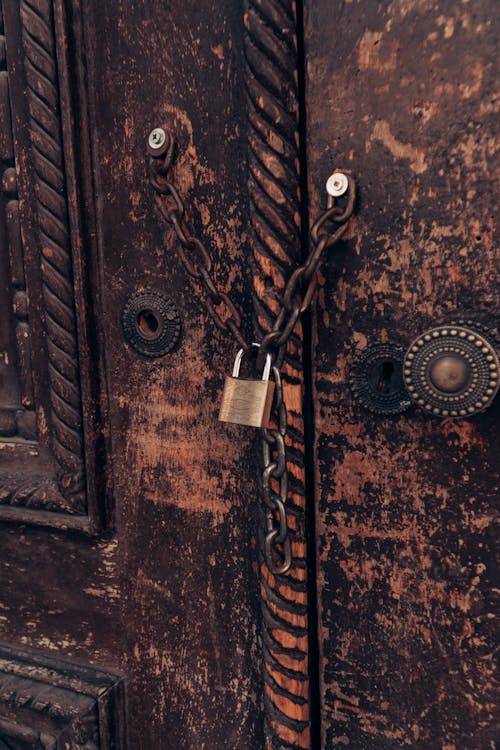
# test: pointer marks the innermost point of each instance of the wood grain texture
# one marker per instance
(403, 94)
(186, 489)
(174, 598)
(60, 593)
(58, 589)
(274, 211)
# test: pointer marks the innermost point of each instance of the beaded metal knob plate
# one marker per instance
(151, 323)
(377, 381)
(452, 371)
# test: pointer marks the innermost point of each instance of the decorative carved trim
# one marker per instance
(273, 188)
(48, 261)
(48, 703)
(18, 419)
(36, 492)
(40, 62)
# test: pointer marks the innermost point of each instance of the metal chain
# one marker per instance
(275, 468)
(296, 298)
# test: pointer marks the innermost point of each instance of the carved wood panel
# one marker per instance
(203, 664)
(48, 703)
(48, 404)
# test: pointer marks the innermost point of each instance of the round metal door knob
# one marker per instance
(452, 371)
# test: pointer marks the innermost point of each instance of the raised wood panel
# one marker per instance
(187, 500)
(49, 398)
(48, 703)
(403, 94)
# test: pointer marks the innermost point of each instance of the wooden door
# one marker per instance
(404, 95)
(136, 606)
(128, 568)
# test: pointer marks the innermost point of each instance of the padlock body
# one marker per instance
(247, 402)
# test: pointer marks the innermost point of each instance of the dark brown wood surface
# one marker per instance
(167, 589)
(404, 95)
(50, 420)
(131, 528)
(184, 484)
(47, 703)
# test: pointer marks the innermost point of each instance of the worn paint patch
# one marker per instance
(377, 52)
(381, 132)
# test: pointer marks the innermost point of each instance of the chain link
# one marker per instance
(278, 547)
(297, 297)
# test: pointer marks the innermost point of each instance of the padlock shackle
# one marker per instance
(239, 358)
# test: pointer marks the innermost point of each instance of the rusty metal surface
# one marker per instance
(406, 93)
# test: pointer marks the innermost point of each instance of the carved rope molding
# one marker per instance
(40, 64)
(21, 419)
(273, 188)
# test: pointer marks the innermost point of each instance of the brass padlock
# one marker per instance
(244, 401)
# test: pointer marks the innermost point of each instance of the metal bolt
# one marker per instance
(157, 138)
(337, 184)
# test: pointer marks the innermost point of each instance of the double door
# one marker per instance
(137, 608)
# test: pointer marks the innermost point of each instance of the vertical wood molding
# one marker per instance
(48, 474)
(17, 416)
(40, 63)
(274, 208)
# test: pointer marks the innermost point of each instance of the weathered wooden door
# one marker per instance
(126, 511)
(136, 607)
(404, 95)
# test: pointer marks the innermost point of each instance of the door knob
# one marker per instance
(452, 371)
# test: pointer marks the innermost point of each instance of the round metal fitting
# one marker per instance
(151, 323)
(452, 371)
(478, 327)
(337, 184)
(376, 379)
(157, 138)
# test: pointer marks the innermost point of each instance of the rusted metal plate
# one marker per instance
(404, 95)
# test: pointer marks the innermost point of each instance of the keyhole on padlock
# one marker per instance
(148, 324)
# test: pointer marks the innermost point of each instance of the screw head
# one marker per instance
(337, 184)
(157, 138)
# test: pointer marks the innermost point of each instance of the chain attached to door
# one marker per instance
(296, 299)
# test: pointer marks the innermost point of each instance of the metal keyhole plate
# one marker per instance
(151, 323)
(377, 379)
